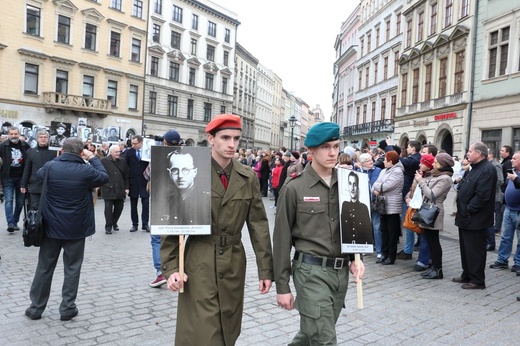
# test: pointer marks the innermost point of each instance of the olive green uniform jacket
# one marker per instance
(210, 309)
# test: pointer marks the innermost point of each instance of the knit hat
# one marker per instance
(445, 160)
(392, 156)
(296, 154)
(427, 160)
(395, 148)
(350, 151)
(382, 144)
(287, 153)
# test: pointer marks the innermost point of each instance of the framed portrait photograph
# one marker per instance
(354, 209)
(180, 190)
(59, 132)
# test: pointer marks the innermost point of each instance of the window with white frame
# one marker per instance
(137, 9)
(31, 79)
(210, 53)
(408, 33)
(176, 40)
(62, 81)
(172, 106)
(464, 9)
(177, 14)
(90, 36)
(459, 71)
(420, 26)
(189, 110)
(154, 66)
(224, 85)
(152, 102)
(136, 50)
(115, 43)
(212, 29)
(191, 80)
(226, 58)
(209, 81)
(404, 88)
(448, 13)
(116, 4)
(88, 86)
(428, 83)
(227, 36)
(433, 19)
(32, 24)
(443, 75)
(133, 93)
(63, 29)
(195, 22)
(156, 33)
(207, 111)
(174, 71)
(157, 6)
(498, 51)
(194, 46)
(415, 86)
(112, 92)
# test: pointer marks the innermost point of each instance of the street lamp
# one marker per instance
(292, 123)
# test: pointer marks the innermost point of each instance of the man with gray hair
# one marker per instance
(114, 192)
(35, 159)
(68, 211)
(475, 213)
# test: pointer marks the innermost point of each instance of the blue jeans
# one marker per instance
(510, 223)
(12, 191)
(376, 228)
(409, 235)
(424, 251)
(155, 240)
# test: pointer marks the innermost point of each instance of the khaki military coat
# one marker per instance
(210, 309)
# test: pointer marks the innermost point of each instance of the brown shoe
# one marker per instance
(460, 280)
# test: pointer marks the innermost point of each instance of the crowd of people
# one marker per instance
(304, 187)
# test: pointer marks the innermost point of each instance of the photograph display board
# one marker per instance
(180, 190)
(354, 208)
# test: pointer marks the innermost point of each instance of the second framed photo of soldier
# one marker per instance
(59, 132)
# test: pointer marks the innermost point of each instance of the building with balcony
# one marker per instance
(76, 62)
(264, 107)
(435, 73)
(372, 114)
(190, 67)
(495, 116)
(277, 125)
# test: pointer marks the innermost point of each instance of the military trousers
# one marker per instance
(320, 295)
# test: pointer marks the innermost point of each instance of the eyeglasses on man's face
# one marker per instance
(175, 170)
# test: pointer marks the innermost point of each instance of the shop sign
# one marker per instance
(444, 116)
(7, 113)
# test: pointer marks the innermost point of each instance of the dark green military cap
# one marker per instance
(321, 133)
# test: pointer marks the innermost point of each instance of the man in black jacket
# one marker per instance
(68, 214)
(35, 159)
(475, 213)
(13, 152)
(115, 191)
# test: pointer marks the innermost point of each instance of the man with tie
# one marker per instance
(215, 264)
(138, 184)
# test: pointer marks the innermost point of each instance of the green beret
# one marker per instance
(321, 133)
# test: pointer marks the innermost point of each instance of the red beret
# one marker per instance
(224, 122)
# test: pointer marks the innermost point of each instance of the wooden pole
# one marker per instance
(181, 262)
(357, 259)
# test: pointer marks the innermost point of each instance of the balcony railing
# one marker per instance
(386, 125)
(434, 104)
(76, 103)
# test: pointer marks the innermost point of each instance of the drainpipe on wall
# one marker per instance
(472, 80)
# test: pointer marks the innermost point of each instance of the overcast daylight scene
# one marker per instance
(272, 100)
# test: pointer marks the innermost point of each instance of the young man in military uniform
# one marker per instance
(215, 264)
(308, 219)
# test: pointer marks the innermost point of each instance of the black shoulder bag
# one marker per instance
(33, 230)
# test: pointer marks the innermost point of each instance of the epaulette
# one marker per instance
(292, 177)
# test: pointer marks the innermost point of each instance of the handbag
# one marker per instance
(378, 203)
(33, 229)
(409, 224)
(427, 214)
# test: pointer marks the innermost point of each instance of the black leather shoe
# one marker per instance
(146, 228)
(472, 286)
(518, 298)
(388, 261)
(418, 268)
(108, 230)
(71, 316)
(404, 256)
(31, 316)
(133, 229)
(116, 228)
(499, 265)
(460, 280)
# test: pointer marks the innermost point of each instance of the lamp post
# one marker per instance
(292, 123)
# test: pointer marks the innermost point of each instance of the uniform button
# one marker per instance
(220, 276)
(332, 219)
(335, 241)
(312, 210)
(220, 252)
